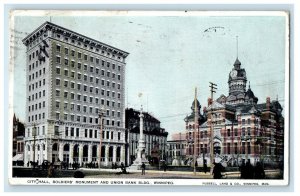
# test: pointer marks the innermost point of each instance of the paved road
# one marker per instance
(154, 174)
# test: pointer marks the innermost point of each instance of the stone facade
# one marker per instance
(70, 77)
(176, 149)
(155, 137)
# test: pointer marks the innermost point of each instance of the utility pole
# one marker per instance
(195, 128)
(180, 147)
(34, 135)
(212, 91)
(101, 115)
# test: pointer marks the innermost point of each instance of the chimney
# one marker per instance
(209, 101)
(268, 103)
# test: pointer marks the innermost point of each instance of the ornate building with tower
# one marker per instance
(241, 129)
(70, 77)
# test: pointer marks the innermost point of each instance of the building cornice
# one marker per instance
(48, 26)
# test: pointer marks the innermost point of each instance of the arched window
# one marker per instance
(55, 147)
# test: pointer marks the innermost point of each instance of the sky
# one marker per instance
(171, 55)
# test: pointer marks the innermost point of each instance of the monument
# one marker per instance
(140, 151)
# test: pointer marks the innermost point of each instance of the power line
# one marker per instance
(212, 89)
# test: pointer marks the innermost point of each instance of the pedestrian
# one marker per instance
(249, 170)
(217, 171)
(259, 172)
(205, 166)
(50, 171)
(143, 168)
(123, 168)
(243, 170)
(165, 166)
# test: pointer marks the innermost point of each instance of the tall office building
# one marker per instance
(70, 78)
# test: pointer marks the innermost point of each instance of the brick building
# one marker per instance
(242, 128)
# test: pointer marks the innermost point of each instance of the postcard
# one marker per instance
(149, 98)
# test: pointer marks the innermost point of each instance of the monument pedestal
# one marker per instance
(141, 158)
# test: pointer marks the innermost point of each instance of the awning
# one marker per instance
(18, 157)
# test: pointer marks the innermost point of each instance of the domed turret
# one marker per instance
(237, 64)
(198, 105)
(237, 79)
(250, 95)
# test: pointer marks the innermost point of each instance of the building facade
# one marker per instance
(176, 149)
(241, 128)
(18, 141)
(155, 136)
(70, 78)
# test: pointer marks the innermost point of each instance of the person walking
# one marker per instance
(143, 168)
(243, 170)
(50, 170)
(259, 172)
(205, 167)
(165, 166)
(217, 170)
(249, 170)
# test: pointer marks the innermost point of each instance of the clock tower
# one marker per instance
(237, 79)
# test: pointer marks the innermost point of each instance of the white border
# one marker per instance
(203, 182)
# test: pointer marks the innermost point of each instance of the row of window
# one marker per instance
(84, 119)
(73, 85)
(66, 62)
(36, 117)
(72, 53)
(88, 133)
(84, 109)
(86, 99)
(249, 121)
(33, 55)
(176, 146)
(227, 147)
(36, 95)
(36, 106)
(38, 131)
(71, 74)
(204, 134)
(36, 74)
(36, 85)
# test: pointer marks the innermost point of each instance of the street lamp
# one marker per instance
(101, 115)
(34, 135)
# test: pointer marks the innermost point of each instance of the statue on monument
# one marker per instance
(140, 151)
